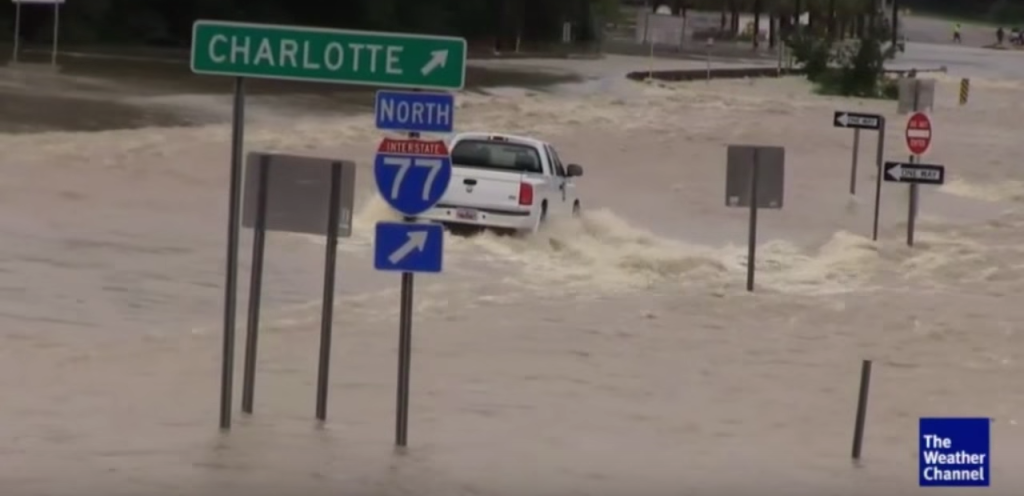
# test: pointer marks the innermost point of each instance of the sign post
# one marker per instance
(879, 158)
(412, 175)
(919, 139)
(17, 27)
(243, 50)
(857, 122)
(754, 178)
(296, 194)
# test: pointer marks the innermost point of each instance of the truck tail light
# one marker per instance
(525, 194)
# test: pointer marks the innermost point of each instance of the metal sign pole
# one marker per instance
(56, 31)
(752, 232)
(779, 50)
(259, 238)
(17, 31)
(707, 49)
(231, 272)
(404, 361)
(911, 210)
(327, 312)
(853, 167)
(862, 409)
(880, 159)
(912, 200)
(404, 351)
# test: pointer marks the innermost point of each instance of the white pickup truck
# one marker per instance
(505, 182)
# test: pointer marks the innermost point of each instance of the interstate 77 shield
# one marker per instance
(412, 175)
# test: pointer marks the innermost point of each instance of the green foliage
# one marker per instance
(812, 53)
(855, 68)
(169, 22)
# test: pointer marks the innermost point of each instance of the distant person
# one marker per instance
(956, 33)
(999, 36)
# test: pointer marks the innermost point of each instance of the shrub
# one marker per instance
(854, 68)
(812, 53)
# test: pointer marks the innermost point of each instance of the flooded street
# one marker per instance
(617, 353)
(99, 93)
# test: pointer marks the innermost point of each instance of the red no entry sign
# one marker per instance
(919, 133)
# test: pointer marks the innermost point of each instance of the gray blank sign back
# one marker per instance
(770, 177)
(298, 193)
(925, 95)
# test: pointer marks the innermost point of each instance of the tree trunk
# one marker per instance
(735, 14)
(772, 30)
(796, 16)
(757, 24)
(832, 19)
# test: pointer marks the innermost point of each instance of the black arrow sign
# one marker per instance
(901, 172)
(853, 120)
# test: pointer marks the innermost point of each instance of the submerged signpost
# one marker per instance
(296, 194)
(870, 122)
(916, 95)
(411, 175)
(857, 122)
(755, 179)
(17, 27)
(247, 50)
(919, 141)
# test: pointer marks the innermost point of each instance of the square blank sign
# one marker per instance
(740, 163)
(925, 94)
(298, 193)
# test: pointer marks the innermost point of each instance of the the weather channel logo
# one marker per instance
(954, 452)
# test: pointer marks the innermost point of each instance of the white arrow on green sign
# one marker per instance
(328, 55)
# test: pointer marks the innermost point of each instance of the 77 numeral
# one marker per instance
(404, 163)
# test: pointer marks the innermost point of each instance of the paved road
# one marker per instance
(932, 30)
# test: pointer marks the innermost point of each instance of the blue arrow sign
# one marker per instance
(408, 247)
(412, 175)
(416, 112)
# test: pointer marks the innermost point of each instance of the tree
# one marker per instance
(169, 22)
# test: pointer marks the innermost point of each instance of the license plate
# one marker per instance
(465, 214)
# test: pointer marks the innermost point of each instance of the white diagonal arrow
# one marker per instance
(843, 119)
(438, 58)
(417, 241)
(896, 172)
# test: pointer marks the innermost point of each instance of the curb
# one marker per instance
(720, 73)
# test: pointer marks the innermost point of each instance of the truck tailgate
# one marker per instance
(484, 189)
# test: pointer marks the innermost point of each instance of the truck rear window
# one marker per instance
(496, 155)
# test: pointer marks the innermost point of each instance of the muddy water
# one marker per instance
(615, 354)
(94, 93)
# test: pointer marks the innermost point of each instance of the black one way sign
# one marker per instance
(853, 120)
(902, 172)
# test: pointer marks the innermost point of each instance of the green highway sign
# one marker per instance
(328, 55)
